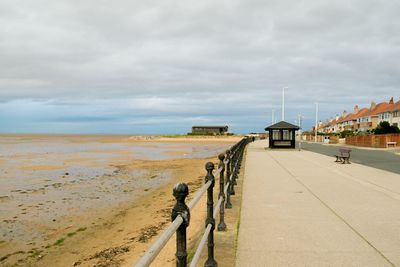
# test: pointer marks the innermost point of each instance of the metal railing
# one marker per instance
(180, 215)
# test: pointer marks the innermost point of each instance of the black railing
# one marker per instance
(229, 163)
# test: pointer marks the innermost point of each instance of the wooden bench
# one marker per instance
(343, 156)
(394, 144)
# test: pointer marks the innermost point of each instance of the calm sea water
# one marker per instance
(24, 161)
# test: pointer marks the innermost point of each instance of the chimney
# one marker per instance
(337, 117)
(373, 105)
(344, 113)
(356, 110)
(391, 102)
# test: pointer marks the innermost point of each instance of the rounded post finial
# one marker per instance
(209, 166)
(221, 157)
(180, 191)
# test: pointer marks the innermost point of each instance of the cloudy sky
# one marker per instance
(162, 66)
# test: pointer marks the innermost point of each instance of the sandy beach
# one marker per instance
(93, 200)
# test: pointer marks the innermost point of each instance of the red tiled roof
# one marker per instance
(327, 123)
(340, 120)
(361, 113)
(348, 117)
(381, 108)
(332, 122)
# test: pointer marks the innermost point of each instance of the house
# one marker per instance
(347, 121)
(360, 114)
(209, 130)
(363, 119)
(381, 113)
(371, 118)
(335, 124)
(367, 119)
(329, 126)
(396, 114)
(325, 128)
(385, 113)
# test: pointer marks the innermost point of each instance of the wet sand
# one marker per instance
(92, 200)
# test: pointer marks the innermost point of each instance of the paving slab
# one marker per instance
(300, 208)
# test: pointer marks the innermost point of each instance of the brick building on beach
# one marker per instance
(217, 130)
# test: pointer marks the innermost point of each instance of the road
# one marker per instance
(388, 160)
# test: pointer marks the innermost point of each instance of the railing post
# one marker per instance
(210, 218)
(236, 166)
(180, 192)
(239, 154)
(234, 170)
(228, 204)
(221, 225)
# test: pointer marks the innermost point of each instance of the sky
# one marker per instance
(160, 67)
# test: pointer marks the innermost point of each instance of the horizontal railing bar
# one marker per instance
(226, 188)
(217, 207)
(199, 249)
(217, 172)
(198, 195)
(150, 255)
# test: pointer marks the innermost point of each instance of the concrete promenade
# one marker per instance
(300, 208)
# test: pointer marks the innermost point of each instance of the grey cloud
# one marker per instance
(199, 58)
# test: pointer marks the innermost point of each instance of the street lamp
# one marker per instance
(283, 103)
(316, 121)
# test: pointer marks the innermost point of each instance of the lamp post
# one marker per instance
(316, 121)
(273, 117)
(283, 103)
(300, 120)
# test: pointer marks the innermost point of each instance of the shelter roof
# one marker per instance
(282, 125)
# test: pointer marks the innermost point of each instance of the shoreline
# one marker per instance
(116, 138)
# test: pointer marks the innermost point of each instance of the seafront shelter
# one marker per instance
(282, 135)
